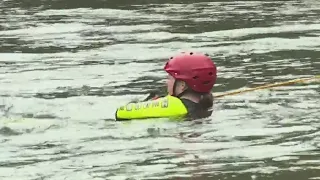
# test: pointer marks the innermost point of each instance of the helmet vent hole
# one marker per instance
(191, 53)
(195, 77)
(210, 73)
(206, 82)
(171, 58)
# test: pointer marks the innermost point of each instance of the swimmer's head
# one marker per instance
(190, 71)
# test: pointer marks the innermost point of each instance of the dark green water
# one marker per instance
(65, 65)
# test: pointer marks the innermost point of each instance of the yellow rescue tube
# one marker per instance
(165, 107)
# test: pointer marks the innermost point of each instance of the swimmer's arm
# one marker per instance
(153, 95)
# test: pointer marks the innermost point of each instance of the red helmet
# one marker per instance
(197, 70)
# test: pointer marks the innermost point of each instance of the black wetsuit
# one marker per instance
(195, 111)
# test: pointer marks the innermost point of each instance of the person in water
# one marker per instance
(191, 77)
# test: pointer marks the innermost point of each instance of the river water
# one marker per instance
(66, 65)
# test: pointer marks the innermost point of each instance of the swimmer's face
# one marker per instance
(170, 83)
